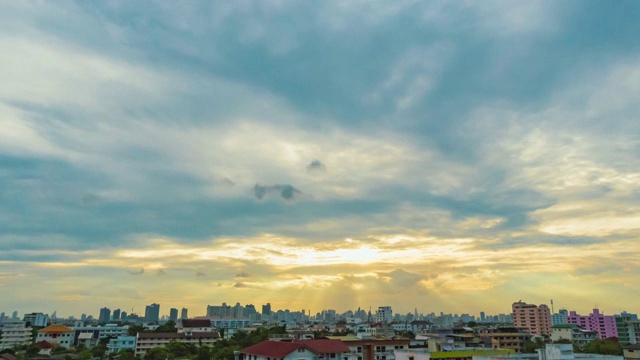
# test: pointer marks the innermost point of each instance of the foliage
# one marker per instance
(157, 353)
(608, 346)
(60, 350)
(126, 354)
(99, 350)
(135, 329)
(32, 351)
(168, 327)
(84, 354)
(204, 353)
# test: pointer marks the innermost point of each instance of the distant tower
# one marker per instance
(152, 313)
(183, 313)
(552, 306)
(173, 314)
(105, 315)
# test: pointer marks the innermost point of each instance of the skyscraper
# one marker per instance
(184, 313)
(152, 313)
(105, 315)
(266, 309)
(116, 314)
(173, 314)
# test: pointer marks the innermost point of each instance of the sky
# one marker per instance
(452, 156)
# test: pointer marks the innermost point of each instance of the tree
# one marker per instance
(32, 351)
(135, 329)
(607, 346)
(84, 354)
(157, 353)
(168, 327)
(204, 353)
(99, 351)
(126, 354)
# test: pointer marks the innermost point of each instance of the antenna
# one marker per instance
(552, 307)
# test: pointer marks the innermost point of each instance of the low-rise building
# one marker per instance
(370, 347)
(57, 334)
(98, 333)
(146, 341)
(195, 325)
(121, 343)
(504, 338)
(574, 333)
(295, 350)
(228, 322)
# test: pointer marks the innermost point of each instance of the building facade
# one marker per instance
(152, 313)
(605, 325)
(536, 319)
(15, 333)
(146, 341)
(56, 334)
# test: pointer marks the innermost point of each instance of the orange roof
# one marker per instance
(56, 328)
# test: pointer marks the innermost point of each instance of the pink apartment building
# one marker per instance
(536, 319)
(605, 325)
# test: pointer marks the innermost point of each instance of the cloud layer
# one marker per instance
(449, 157)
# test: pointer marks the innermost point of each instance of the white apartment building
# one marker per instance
(14, 333)
(146, 341)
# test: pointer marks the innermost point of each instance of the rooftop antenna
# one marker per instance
(552, 307)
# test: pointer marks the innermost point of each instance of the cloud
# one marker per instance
(243, 274)
(239, 285)
(161, 272)
(200, 273)
(287, 192)
(316, 166)
(136, 272)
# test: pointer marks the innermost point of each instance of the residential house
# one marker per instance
(57, 334)
(325, 349)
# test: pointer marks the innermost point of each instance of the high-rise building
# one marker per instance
(184, 313)
(116, 315)
(384, 314)
(266, 309)
(237, 311)
(152, 313)
(605, 325)
(559, 318)
(173, 314)
(536, 319)
(222, 310)
(36, 319)
(628, 328)
(105, 315)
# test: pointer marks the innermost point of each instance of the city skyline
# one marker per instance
(434, 155)
(308, 312)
